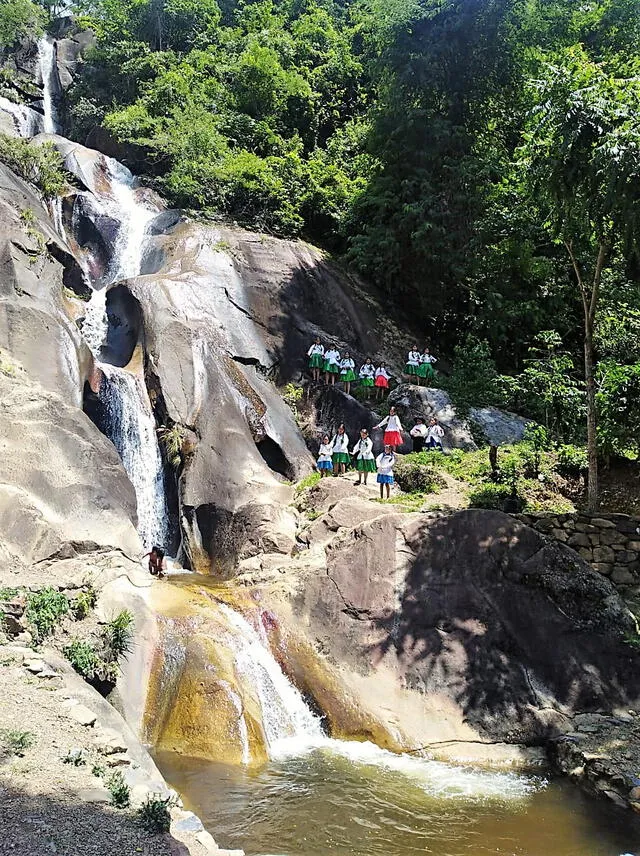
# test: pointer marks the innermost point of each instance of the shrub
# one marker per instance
(119, 790)
(154, 813)
(44, 610)
(490, 496)
(413, 476)
(85, 602)
(117, 635)
(572, 461)
(17, 742)
(39, 163)
(292, 396)
(474, 380)
(307, 482)
(172, 441)
(84, 659)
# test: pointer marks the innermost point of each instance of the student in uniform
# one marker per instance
(419, 434)
(340, 451)
(425, 369)
(316, 359)
(393, 430)
(367, 373)
(365, 462)
(384, 465)
(325, 462)
(347, 373)
(381, 382)
(435, 433)
(413, 362)
(331, 365)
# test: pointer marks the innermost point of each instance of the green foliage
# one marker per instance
(119, 790)
(8, 593)
(490, 496)
(84, 602)
(154, 813)
(292, 396)
(307, 482)
(45, 609)
(572, 461)
(414, 476)
(16, 742)
(173, 442)
(38, 163)
(84, 658)
(618, 402)
(19, 19)
(474, 381)
(76, 758)
(117, 635)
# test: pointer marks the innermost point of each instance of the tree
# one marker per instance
(581, 160)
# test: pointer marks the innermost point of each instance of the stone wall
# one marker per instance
(610, 542)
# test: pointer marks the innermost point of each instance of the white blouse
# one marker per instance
(367, 370)
(392, 422)
(382, 373)
(385, 464)
(413, 359)
(419, 430)
(332, 356)
(435, 431)
(325, 452)
(345, 365)
(340, 443)
(364, 448)
(315, 349)
(428, 358)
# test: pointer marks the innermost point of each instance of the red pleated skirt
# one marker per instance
(392, 438)
(382, 381)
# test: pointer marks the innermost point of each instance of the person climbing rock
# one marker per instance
(419, 434)
(435, 433)
(365, 462)
(347, 373)
(393, 431)
(367, 373)
(324, 462)
(381, 382)
(331, 365)
(316, 358)
(413, 362)
(384, 465)
(156, 561)
(340, 453)
(425, 369)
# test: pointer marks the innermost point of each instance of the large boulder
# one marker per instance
(463, 628)
(62, 486)
(496, 427)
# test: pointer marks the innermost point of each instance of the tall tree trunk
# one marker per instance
(590, 293)
(592, 442)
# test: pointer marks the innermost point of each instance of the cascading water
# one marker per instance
(49, 76)
(134, 217)
(132, 429)
(27, 122)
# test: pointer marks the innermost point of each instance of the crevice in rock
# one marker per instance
(275, 458)
(73, 276)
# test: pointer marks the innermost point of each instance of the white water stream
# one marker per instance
(48, 71)
(292, 729)
(27, 122)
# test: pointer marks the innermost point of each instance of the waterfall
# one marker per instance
(49, 76)
(56, 215)
(132, 429)
(27, 122)
(134, 217)
(96, 323)
(286, 717)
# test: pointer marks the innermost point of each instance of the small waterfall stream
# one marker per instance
(48, 72)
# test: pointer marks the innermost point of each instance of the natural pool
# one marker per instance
(351, 799)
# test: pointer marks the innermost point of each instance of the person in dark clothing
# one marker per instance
(156, 561)
(419, 434)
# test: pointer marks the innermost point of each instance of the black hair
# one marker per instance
(158, 551)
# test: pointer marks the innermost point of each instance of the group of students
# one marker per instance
(419, 367)
(334, 455)
(343, 369)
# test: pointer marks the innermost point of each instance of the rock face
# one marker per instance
(61, 481)
(496, 426)
(465, 627)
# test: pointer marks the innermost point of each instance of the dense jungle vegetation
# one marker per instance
(477, 160)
